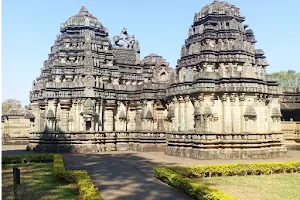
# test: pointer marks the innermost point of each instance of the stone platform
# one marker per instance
(193, 145)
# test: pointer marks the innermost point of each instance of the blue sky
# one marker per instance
(29, 29)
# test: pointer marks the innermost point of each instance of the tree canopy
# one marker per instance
(9, 104)
(288, 78)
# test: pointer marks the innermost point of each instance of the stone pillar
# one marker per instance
(109, 115)
(262, 113)
(117, 118)
(201, 109)
(268, 113)
(176, 115)
(197, 116)
(42, 116)
(189, 114)
(181, 127)
(65, 105)
(242, 109)
(101, 115)
(213, 126)
(235, 113)
(143, 115)
(227, 114)
(138, 120)
(97, 117)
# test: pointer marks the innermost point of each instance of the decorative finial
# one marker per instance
(83, 9)
(215, 1)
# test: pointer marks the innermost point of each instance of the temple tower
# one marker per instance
(223, 94)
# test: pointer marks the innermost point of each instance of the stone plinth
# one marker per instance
(225, 146)
(92, 142)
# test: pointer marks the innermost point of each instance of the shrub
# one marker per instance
(34, 158)
(237, 169)
(60, 173)
(86, 187)
(190, 187)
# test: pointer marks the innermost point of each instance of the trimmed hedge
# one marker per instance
(34, 158)
(60, 173)
(86, 187)
(191, 187)
(182, 177)
(237, 169)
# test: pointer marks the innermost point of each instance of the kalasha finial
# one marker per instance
(83, 9)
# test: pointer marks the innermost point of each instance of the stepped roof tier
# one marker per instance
(219, 43)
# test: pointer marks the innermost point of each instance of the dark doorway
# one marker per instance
(88, 125)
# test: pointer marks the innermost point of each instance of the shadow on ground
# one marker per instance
(125, 176)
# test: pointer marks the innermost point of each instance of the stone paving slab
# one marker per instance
(129, 175)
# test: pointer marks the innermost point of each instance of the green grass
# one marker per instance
(264, 187)
(37, 183)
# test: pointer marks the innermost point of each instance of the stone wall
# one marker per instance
(15, 129)
(291, 133)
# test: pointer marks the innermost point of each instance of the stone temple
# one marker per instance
(95, 94)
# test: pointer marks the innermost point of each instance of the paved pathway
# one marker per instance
(129, 175)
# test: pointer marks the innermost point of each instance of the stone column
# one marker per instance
(213, 125)
(235, 112)
(97, 117)
(197, 116)
(181, 127)
(82, 121)
(268, 113)
(189, 114)
(143, 115)
(262, 113)
(138, 120)
(75, 115)
(201, 109)
(101, 115)
(176, 115)
(109, 115)
(118, 123)
(42, 116)
(259, 116)
(65, 107)
(242, 108)
(160, 119)
(227, 114)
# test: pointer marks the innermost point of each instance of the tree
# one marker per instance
(9, 104)
(288, 78)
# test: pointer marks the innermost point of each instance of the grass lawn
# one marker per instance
(37, 183)
(265, 187)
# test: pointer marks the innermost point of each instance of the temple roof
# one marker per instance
(83, 18)
(154, 60)
(219, 8)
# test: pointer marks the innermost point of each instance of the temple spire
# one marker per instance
(83, 9)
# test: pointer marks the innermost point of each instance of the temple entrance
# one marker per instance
(88, 125)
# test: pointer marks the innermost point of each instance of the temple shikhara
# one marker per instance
(97, 94)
